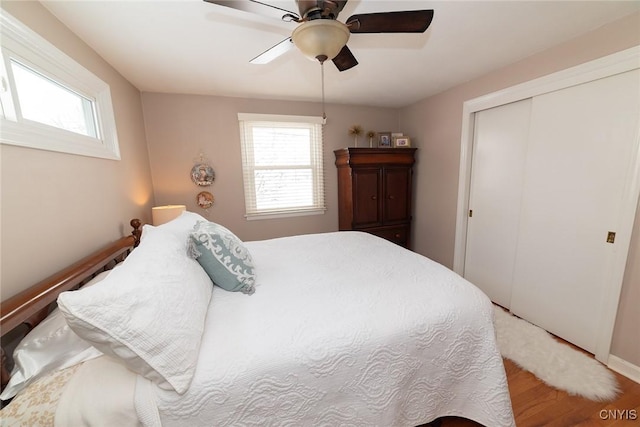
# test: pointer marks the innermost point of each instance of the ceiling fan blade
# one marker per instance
(256, 7)
(273, 52)
(345, 59)
(409, 21)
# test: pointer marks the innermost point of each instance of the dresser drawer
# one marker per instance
(397, 235)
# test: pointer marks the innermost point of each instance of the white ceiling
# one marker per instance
(193, 47)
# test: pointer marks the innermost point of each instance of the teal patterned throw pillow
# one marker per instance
(223, 256)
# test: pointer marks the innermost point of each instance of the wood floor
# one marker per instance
(536, 404)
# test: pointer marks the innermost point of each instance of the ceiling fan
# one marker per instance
(320, 36)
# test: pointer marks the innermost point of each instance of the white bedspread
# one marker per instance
(343, 329)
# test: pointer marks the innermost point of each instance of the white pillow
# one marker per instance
(50, 346)
(149, 313)
(182, 225)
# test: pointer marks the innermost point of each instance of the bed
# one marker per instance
(331, 329)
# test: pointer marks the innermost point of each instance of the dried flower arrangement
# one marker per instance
(355, 130)
(371, 134)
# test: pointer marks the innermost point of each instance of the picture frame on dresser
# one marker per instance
(384, 140)
(402, 142)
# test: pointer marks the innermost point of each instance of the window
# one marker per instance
(282, 165)
(49, 101)
(46, 101)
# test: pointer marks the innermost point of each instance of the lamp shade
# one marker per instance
(162, 214)
(320, 39)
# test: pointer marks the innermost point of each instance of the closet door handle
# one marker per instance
(391, 197)
(374, 197)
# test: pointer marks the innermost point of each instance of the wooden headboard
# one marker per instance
(32, 305)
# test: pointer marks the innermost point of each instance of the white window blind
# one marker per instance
(282, 165)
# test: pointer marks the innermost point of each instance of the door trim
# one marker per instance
(620, 62)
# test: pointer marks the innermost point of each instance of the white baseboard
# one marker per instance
(625, 368)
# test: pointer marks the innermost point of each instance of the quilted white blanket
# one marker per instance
(344, 329)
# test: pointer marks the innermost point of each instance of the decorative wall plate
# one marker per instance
(204, 199)
(202, 174)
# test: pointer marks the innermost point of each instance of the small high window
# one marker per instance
(46, 101)
(49, 101)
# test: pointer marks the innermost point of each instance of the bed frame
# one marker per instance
(32, 305)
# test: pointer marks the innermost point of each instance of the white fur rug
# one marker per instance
(557, 364)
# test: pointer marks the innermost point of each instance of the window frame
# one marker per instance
(249, 167)
(26, 47)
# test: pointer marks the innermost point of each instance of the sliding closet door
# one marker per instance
(577, 162)
(500, 144)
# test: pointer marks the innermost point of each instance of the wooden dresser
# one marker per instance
(374, 191)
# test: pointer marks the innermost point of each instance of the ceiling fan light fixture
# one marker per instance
(321, 39)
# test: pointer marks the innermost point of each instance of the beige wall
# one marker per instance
(180, 127)
(51, 202)
(436, 124)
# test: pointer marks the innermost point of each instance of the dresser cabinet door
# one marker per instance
(397, 188)
(367, 197)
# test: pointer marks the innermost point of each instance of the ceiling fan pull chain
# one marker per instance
(324, 115)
